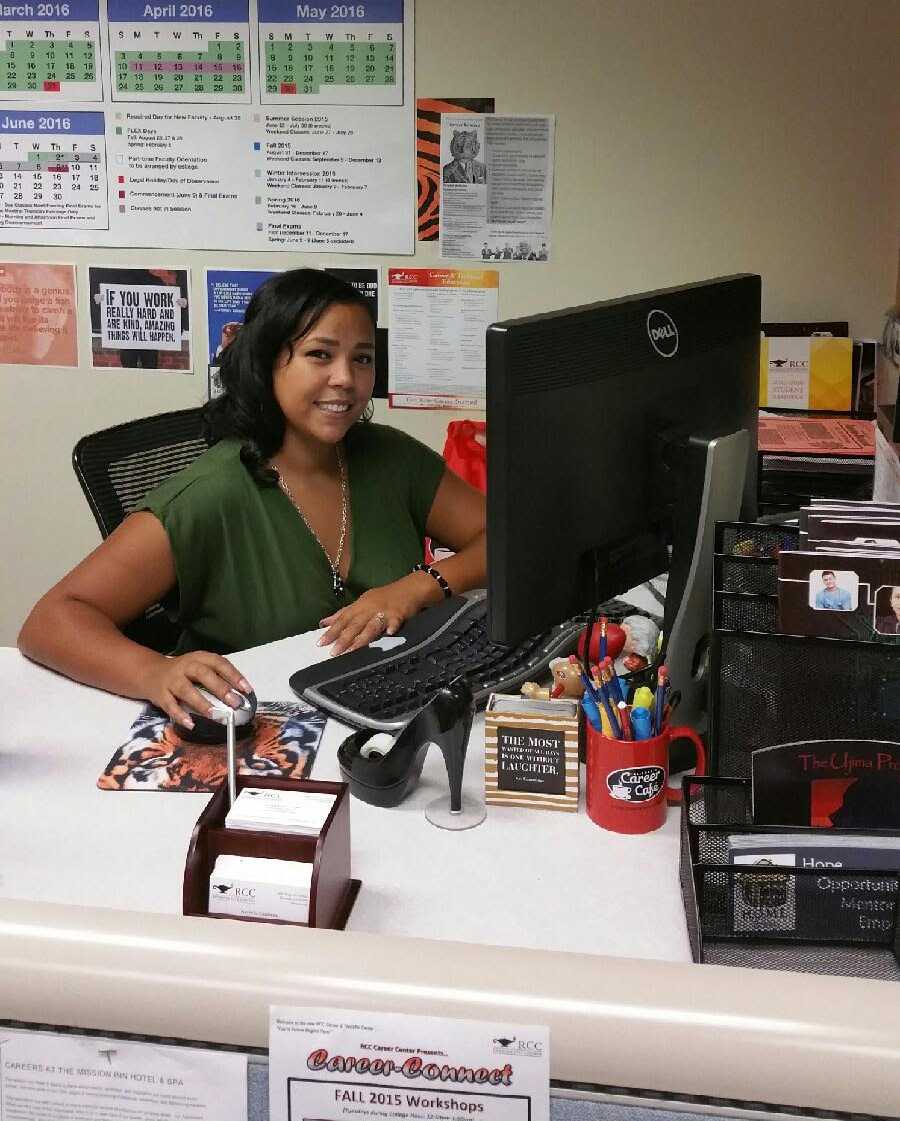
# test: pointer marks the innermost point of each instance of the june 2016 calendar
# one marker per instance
(180, 52)
(331, 54)
(53, 170)
(50, 51)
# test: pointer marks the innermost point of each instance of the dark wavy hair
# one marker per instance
(282, 310)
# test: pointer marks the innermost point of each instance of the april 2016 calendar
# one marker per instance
(180, 51)
(53, 170)
(50, 51)
(331, 54)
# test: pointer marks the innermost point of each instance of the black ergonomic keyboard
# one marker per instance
(385, 684)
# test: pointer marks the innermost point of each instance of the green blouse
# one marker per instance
(249, 571)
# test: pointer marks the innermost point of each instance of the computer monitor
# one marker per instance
(615, 430)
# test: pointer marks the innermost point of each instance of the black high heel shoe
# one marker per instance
(385, 778)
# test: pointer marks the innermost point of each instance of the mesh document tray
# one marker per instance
(836, 921)
(778, 688)
(766, 540)
(746, 557)
(739, 611)
(751, 575)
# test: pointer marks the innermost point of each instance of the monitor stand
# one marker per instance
(710, 474)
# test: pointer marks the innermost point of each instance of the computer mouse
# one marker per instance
(212, 728)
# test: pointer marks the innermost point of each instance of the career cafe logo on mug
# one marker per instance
(663, 333)
(524, 1048)
(636, 784)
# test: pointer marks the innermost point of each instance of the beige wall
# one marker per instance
(693, 139)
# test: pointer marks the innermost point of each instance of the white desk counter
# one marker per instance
(523, 878)
(91, 932)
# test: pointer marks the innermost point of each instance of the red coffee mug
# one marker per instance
(627, 781)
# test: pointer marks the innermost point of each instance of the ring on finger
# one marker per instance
(381, 619)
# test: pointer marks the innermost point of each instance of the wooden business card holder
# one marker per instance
(332, 892)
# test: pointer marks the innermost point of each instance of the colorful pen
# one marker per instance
(659, 709)
(609, 704)
(643, 698)
(625, 721)
(591, 712)
(641, 724)
(603, 625)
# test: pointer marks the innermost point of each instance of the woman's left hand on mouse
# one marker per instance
(173, 686)
(377, 612)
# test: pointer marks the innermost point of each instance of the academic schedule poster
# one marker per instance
(222, 124)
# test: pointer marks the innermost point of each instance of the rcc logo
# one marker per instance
(663, 333)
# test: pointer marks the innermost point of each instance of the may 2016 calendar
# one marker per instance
(180, 51)
(50, 51)
(53, 170)
(331, 54)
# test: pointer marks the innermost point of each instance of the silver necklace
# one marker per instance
(335, 565)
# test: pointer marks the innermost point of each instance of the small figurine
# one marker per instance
(566, 678)
(534, 692)
(639, 648)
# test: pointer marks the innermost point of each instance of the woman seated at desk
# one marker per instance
(302, 514)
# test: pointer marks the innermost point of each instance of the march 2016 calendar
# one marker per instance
(53, 170)
(180, 51)
(50, 51)
(331, 54)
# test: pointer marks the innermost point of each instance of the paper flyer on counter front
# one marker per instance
(45, 1076)
(334, 1064)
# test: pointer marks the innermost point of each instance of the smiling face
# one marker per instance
(895, 601)
(828, 580)
(324, 384)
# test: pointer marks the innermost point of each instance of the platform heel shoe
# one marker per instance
(385, 778)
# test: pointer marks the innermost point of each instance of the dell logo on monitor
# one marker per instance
(663, 333)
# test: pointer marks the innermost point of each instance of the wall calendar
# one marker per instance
(216, 124)
(50, 51)
(180, 52)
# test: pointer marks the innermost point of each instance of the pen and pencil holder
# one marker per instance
(628, 780)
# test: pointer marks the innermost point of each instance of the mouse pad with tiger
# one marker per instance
(283, 744)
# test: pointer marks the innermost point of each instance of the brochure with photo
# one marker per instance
(840, 594)
(858, 529)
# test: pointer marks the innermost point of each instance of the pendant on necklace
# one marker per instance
(338, 584)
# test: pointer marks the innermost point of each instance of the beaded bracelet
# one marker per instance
(433, 572)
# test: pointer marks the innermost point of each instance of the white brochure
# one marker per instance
(69, 1077)
(334, 1064)
(436, 340)
(496, 186)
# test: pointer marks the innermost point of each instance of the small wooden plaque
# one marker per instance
(531, 753)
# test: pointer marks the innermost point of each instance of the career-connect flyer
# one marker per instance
(333, 1064)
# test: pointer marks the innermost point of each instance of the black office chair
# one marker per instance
(117, 466)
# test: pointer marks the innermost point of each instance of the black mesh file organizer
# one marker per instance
(750, 575)
(777, 688)
(834, 920)
(738, 611)
(760, 539)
